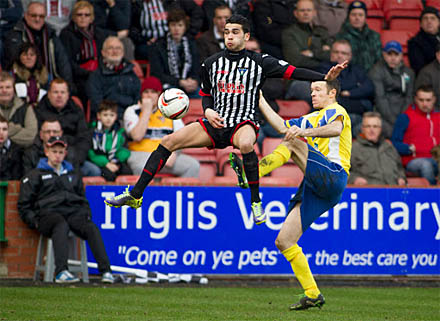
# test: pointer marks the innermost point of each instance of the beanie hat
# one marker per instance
(432, 10)
(357, 5)
(151, 83)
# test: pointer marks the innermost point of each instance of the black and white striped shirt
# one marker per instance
(154, 19)
(234, 80)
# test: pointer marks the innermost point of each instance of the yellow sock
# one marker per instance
(300, 267)
(276, 159)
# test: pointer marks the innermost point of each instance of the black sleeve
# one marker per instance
(205, 91)
(306, 74)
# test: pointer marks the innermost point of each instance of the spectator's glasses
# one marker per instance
(372, 126)
(83, 14)
(35, 16)
(52, 132)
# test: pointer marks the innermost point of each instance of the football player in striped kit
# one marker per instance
(231, 83)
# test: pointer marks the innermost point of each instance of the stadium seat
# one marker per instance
(93, 180)
(398, 8)
(181, 181)
(223, 181)
(195, 110)
(137, 69)
(289, 170)
(408, 24)
(145, 67)
(292, 108)
(78, 102)
(433, 3)
(401, 36)
(207, 171)
(375, 24)
(201, 154)
(418, 182)
(269, 181)
(127, 179)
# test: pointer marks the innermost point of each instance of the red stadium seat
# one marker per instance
(375, 24)
(408, 24)
(269, 181)
(181, 181)
(292, 108)
(78, 102)
(195, 110)
(433, 3)
(402, 8)
(401, 36)
(201, 154)
(223, 181)
(145, 67)
(127, 179)
(93, 180)
(289, 170)
(418, 182)
(137, 69)
(207, 171)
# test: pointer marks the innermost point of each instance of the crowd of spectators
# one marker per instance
(68, 68)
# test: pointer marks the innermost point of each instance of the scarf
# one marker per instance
(45, 54)
(88, 44)
(99, 140)
(153, 19)
(178, 68)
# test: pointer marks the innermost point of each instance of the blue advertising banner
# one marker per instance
(210, 230)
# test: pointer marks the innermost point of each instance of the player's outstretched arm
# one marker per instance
(330, 130)
(272, 117)
(334, 71)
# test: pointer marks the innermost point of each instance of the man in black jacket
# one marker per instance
(32, 28)
(58, 104)
(10, 154)
(52, 200)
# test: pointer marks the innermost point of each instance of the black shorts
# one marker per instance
(223, 137)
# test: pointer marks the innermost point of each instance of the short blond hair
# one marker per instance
(81, 5)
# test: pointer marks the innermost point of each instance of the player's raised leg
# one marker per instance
(191, 135)
(244, 139)
(287, 243)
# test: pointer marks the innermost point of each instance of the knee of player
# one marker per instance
(246, 146)
(169, 142)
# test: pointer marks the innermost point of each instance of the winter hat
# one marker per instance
(432, 10)
(357, 5)
(151, 83)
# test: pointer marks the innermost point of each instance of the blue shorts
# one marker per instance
(321, 188)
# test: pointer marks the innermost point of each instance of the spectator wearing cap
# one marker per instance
(422, 47)
(52, 200)
(114, 79)
(430, 76)
(146, 126)
(365, 43)
(57, 104)
(394, 85)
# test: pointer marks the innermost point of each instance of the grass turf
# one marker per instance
(213, 303)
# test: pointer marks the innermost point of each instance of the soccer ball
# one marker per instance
(173, 103)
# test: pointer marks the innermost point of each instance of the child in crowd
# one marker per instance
(108, 151)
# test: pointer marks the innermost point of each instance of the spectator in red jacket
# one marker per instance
(416, 132)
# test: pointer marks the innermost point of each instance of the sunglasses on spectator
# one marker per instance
(34, 15)
(83, 14)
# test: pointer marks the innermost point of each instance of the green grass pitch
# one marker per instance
(213, 303)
